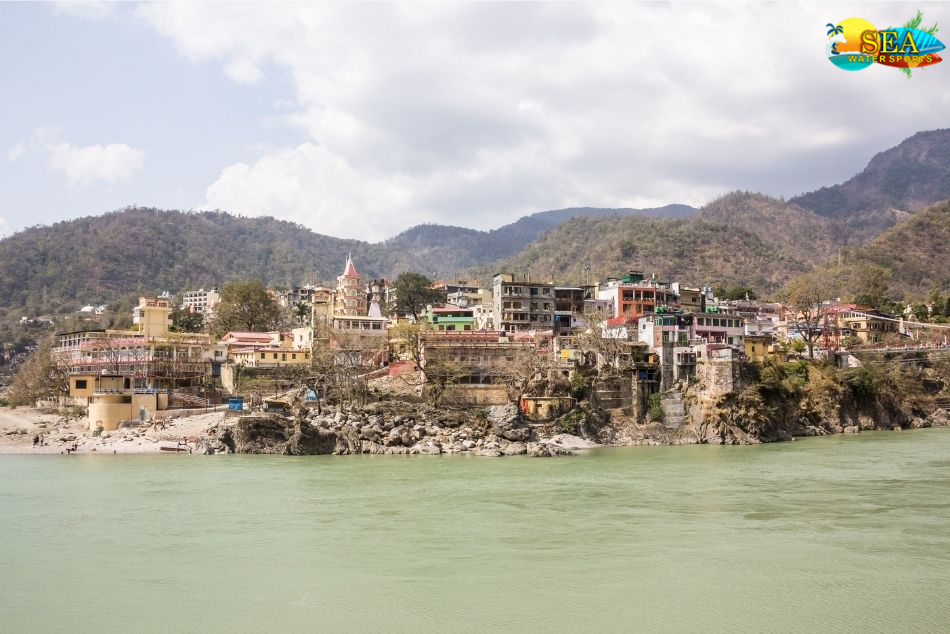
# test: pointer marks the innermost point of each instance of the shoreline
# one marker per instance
(19, 426)
(197, 433)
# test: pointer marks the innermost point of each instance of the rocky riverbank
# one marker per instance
(393, 429)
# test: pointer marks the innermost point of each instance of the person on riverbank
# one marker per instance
(36, 439)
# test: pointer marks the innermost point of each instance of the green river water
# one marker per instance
(837, 534)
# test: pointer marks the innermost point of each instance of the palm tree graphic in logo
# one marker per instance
(835, 35)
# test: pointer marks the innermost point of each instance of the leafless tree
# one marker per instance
(805, 296)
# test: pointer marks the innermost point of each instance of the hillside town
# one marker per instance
(524, 340)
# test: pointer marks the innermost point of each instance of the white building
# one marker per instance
(201, 301)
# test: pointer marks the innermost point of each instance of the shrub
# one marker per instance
(861, 382)
(98, 431)
(654, 408)
(580, 386)
(567, 424)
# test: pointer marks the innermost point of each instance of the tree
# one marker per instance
(920, 312)
(413, 292)
(872, 285)
(437, 364)
(301, 312)
(184, 320)
(595, 339)
(528, 364)
(41, 376)
(936, 301)
(245, 306)
(738, 293)
(804, 295)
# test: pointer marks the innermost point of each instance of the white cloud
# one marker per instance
(81, 165)
(16, 151)
(476, 113)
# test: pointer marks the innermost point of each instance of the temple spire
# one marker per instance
(350, 270)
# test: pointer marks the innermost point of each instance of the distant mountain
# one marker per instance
(896, 183)
(739, 239)
(443, 251)
(90, 260)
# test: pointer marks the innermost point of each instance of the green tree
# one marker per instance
(413, 292)
(245, 306)
(184, 320)
(301, 312)
(871, 285)
(740, 293)
(920, 312)
(936, 301)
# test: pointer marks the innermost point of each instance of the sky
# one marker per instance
(361, 120)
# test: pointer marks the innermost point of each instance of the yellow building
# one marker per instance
(757, 347)
(153, 316)
(870, 326)
(270, 357)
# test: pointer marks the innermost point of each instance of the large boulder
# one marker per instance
(569, 442)
(276, 434)
(309, 441)
(261, 433)
(506, 422)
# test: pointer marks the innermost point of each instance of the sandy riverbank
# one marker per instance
(19, 426)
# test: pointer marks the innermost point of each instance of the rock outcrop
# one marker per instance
(394, 429)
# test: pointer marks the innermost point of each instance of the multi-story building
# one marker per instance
(520, 304)
(153, 316)
(201, 301)
(867, 324)
(689, 299)
(451, 318)
(569, 305)
(715, 327)
(633, 296)
(665, 328)
(124, 374)
(360, 340)
(350, 295)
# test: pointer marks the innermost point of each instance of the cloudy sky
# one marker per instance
(362, 120)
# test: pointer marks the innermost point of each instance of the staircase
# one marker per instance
(185, 400)
(674, 413)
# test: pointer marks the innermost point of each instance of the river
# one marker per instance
(836, 534)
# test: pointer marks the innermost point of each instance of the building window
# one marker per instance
(80, 384)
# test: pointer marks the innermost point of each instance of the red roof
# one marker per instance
(350, 270)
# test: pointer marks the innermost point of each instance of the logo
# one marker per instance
(855, 44)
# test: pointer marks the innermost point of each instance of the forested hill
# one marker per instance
(740, 239)
(909, 260)
(896, 182)
(137, 250)
(442, 251)
(96, 259)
